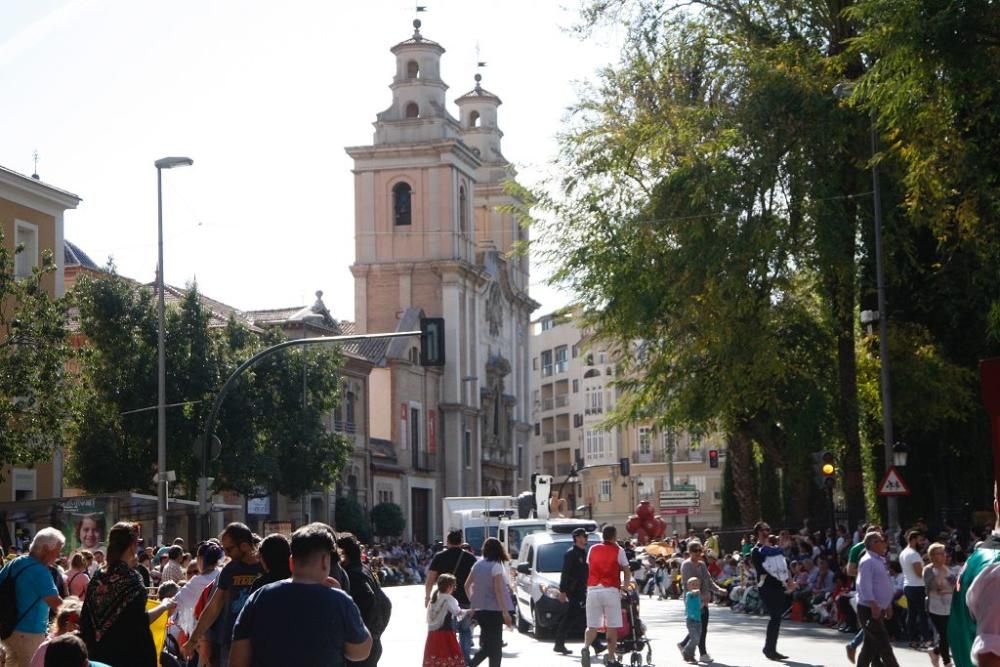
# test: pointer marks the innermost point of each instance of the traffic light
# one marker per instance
(625, 466)
(828, 469)
(432, 341)
(713, 458)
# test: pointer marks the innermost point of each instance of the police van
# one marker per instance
(536, 589)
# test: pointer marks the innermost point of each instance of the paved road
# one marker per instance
(734, 640)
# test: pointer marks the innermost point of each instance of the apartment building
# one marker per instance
(572, 395)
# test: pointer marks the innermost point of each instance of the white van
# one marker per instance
(537, 587)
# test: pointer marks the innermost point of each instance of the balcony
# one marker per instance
(562, 435)
(341, 426)
(562, 469)
(498, 457)
(424, 461)
(548, 403)
(652, 456)
(549, 438)
(562, 400)
(593, 411)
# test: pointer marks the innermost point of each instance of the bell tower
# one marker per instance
(414, 191)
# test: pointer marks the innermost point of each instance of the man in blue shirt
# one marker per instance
(36, 593)
(301, 621)
(875, 603)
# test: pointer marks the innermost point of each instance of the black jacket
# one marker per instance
(573, 581)
(362, 590)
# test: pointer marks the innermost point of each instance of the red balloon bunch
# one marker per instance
(645, 525)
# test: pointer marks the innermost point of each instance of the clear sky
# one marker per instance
(264, 96)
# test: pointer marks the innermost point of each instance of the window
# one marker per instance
(593, 400)
(474, 119)
(577, 421)
(520, 462)
(604, 492)
(401, 195)
(26, 235)
(534, 363)
(594, 445)
(538, 428)
(576, 351)
(414, 429)
(467, 448)
(385, 496)
(412, 70)
(463, 213)
(645, 441)
(589, 359)
(562, 359)
(412, 110)
(602, 357)
(546, 363)
(576, 386)
(548, 323)
(349, 408)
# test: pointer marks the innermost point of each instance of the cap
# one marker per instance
(579, 531)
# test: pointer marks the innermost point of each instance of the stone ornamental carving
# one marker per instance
(494, 309)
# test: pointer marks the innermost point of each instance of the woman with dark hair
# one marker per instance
(113, 622)
(490, 597)
(274, 551)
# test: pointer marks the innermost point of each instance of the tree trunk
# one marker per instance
(741, 456)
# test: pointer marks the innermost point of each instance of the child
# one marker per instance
(441, 649)
(692, 607)
(774, 560)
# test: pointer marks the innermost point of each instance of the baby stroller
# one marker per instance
(632, 639)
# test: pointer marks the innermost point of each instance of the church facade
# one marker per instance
(432, 239)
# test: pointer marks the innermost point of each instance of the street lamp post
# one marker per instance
(161, 366)
(842, 91)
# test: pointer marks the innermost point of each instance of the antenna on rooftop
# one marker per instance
(34, 174)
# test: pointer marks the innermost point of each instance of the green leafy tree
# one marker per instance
(388, 520)
(35, 389)
(271, 423)
(349, 516)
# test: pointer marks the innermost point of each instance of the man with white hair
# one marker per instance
(36, 593)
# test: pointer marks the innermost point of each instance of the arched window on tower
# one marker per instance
(412, 110)
(474, 119)
(463, 213)
(401, 195)
(413, 70)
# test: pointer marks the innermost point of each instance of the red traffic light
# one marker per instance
(713, 458)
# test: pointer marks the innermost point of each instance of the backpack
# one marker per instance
(9, 618)
(381, 606)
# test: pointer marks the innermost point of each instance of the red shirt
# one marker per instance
(606, 561)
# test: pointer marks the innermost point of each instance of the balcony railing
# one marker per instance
(341, 426)
(652, 456)
(562, 400)
(562, 435)
(497, 456)
(424, 461)
(562, 469)
(593, 411)
(547, 403)
(549, 438)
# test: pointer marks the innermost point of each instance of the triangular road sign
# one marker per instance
(893, 484)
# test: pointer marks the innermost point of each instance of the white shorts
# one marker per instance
(604, 608)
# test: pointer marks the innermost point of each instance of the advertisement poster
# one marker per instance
(85, 523)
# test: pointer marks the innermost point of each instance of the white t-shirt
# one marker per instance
(907, 558)
(981, 598)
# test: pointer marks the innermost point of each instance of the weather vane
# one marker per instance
(479, 63)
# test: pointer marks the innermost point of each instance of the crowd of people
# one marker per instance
(235, 601)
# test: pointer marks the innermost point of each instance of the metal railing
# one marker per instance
(562, 435)
(341, 426)
(547, 403)
(653, 456)
(562, 400)
(549, 438)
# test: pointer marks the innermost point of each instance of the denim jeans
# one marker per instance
(694, 634)
(465, 637)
